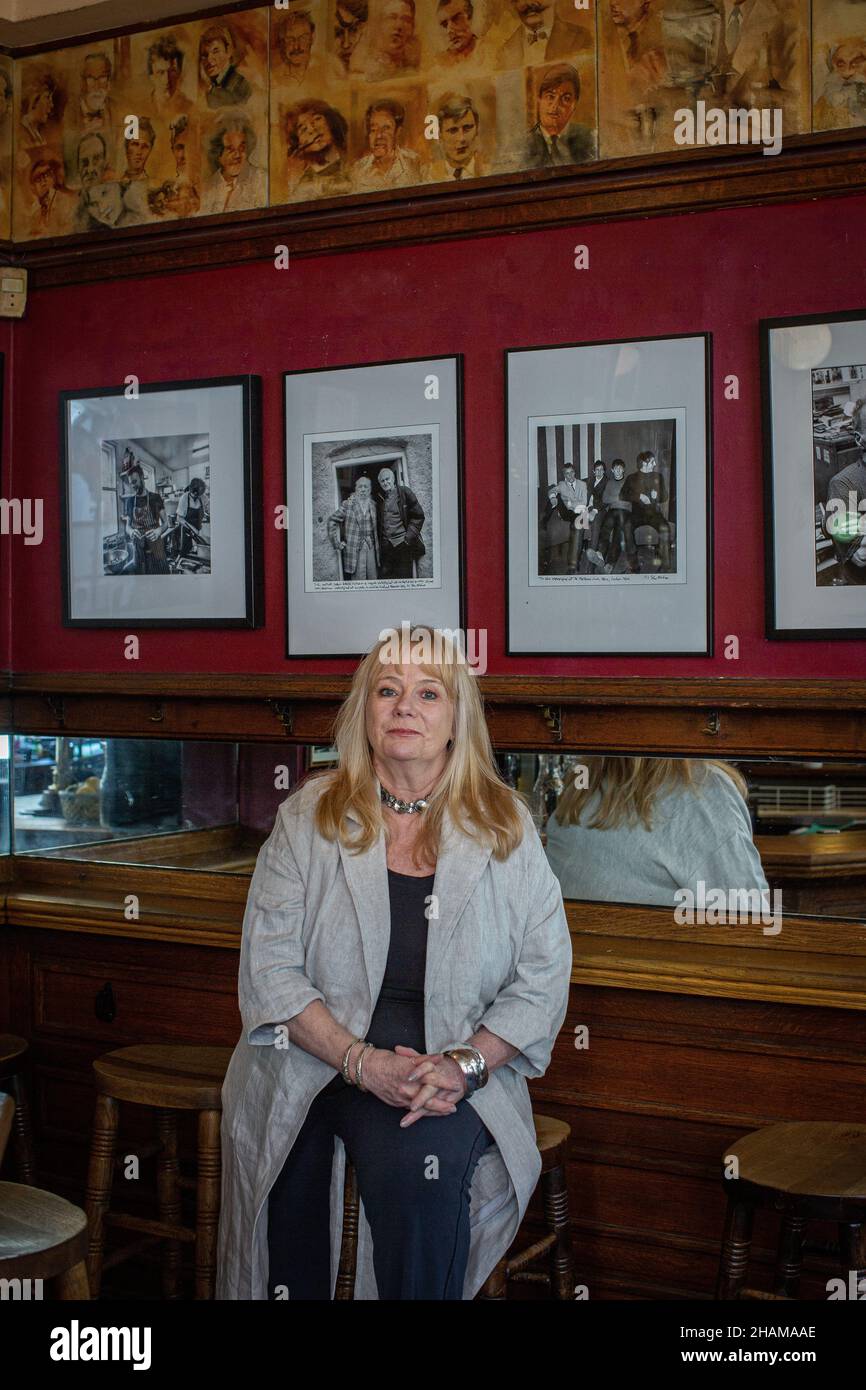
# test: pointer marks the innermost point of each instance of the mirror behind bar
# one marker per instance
(800, 827)
(208, 807)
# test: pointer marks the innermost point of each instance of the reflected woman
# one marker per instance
(644, 827)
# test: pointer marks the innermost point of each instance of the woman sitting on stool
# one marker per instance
(405, 966)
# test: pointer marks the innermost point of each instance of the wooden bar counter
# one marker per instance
(695, 1035)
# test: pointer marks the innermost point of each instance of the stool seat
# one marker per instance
(164, 1079)
(820, 1159)
(12, 1049)
(173, 1078)
(550, 1136)
(42, 1236)
(807, 1171)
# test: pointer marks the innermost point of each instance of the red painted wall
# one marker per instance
(718, 272)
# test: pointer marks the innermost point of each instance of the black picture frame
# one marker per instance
(292, 540)
(772, 552)
(248, 500)
(707, 648)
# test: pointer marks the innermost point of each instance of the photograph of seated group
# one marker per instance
(328, 98)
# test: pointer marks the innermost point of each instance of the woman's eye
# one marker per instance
(386, 690)
(434, 693)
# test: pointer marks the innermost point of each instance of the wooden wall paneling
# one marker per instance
(665, 1086)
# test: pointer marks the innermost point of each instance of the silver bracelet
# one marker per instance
(368, 1046)
(472, 1064)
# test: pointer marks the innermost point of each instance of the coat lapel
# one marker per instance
(460, 865)
(367, 878)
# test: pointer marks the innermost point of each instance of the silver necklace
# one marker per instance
(403, 807)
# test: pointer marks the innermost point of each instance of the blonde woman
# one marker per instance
(643, 827)
(405, 965)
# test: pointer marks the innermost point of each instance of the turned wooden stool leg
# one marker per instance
(207, 1202)
(168, 1195)
(852, 1254)
(73, 1284)
(495, 1286)
(100, 1173)
(789, 1261)
(344, 1290)
(736, 1247)
(555, 1195)
(23, 1131)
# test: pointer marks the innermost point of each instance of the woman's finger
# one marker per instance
(413, 1115)
(426, 1093)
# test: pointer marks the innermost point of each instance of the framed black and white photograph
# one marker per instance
(608, 506)
(374, 485)
(161, 487)
(814, 390)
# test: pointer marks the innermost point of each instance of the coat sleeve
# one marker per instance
(529, 1011)
(272, 985)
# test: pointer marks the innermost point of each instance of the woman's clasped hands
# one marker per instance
(424, 1083)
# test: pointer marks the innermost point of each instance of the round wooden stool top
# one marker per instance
(171, 1078)
(551, 1136)
(805, 1160)
(12, 1049)
(41, 1235)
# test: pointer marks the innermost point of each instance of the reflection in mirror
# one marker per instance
(164, 802)
(637, 830)
(5, 799)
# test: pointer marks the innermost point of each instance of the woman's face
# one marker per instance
(409, 715)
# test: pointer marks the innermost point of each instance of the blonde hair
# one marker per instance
(629, 787)
(479, 802)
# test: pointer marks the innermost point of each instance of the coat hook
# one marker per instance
(714, 722)
(160, 713)
(285, 712)
(552, 715)
(55, 704)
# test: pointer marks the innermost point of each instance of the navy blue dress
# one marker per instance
(414, 1182)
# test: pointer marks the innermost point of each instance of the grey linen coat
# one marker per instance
(317, 927)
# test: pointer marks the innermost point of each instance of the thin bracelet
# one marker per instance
(344, 1067)
(360, 1062)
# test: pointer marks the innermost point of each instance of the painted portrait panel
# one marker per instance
(387, 147)
(547, 115)
(232, 61)
(839, 64)
(466, 124)
(655, 61)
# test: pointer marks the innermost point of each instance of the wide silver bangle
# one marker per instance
(472, 1064)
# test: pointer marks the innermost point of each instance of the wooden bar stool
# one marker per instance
(167, 1079)
(808, 1172)
(42, 1236)
(551, 1137)
(12, 1053)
